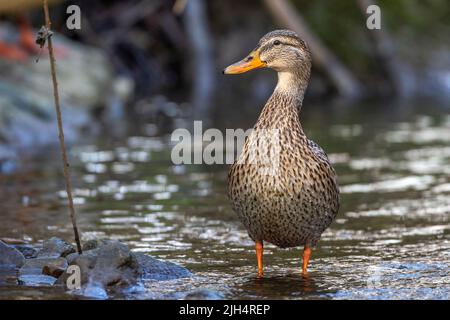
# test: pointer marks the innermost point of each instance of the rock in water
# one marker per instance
(48, 266)
(55, 248)
(115, 265)
(93, 244)
(108, 267)
(10, 255)
(153, 269)
(110, 264)
(28, 251)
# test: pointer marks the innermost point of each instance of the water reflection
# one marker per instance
(276, 286)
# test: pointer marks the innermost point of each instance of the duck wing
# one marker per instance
(318, 151)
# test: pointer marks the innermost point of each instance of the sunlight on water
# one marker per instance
(391, 238)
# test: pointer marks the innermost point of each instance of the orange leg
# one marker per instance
(306, 257)
(259, 257)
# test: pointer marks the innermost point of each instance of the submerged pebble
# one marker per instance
(55, 248)
(36, 280)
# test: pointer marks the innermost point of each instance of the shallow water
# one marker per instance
(391, 239)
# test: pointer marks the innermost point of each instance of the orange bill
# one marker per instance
(252, 61)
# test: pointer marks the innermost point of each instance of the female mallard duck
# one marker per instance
(294, 203)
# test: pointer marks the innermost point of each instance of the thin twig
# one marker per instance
(66, 164)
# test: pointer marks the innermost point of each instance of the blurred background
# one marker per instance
(378, 103)
(162, 59)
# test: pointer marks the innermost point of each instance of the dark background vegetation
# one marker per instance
(164, 57)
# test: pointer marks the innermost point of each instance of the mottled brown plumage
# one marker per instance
(293, 202)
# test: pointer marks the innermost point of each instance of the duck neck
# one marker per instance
(292, 84)
(282, 109)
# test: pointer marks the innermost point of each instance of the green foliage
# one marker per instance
(342, 26)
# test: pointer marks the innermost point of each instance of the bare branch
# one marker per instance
(65, 160)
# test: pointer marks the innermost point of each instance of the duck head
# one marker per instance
(281, 50)
(285, 52)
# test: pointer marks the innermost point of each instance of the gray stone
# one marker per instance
(107, 266)
(153, 269)
(10, 255)
(111, 263)
(87, 259)
(36, 266)
(115, 265)
(55, 248)
(86, 262)
(94, 244)
(28, 251)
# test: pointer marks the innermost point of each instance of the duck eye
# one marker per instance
(277, 42)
